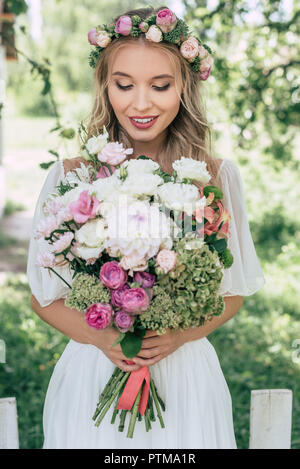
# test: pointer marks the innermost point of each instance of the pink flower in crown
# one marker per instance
(92, 37)
(166, 20)
(154, 34)
(114, 153)
(123, 25)
(205, 67)
(84, 208)
(203, 53)
(189, 49)
(99, 315)
(143, 26)
(166, 260)
(104, 172)
(63, 242)
(112, 275)
(103, 39)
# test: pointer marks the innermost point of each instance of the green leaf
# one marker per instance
(119, 339)
(46, 165)
(131, 345)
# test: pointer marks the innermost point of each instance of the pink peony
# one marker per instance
(145, 278)
(154, 34)
(166, 260)
(189, 49)
(123, 25)
(103, 39)
(203, 53)
(92, 36)
(135, 300)
(166, 20)
(45, 259)
(116, 295)
(205, 67)
(123, 320)
(84, 208)
(143, 26)
(114, 153)
(63, 242)
(99, 315)
(104, 172)
(112, 275)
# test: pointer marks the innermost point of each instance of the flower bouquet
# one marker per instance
(147, 250)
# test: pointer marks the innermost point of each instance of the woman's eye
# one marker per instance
(157, 88)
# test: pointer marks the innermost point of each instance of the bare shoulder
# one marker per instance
(72, 163)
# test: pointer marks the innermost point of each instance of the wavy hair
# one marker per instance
(188, 134)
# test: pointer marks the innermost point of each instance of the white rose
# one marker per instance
(87, 253)
(191, 169)
(178, 196)
(95, 144)
(140, 166)
(92, 233)
(154, 34)
(141, 184)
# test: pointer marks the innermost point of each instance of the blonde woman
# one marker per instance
(148, 95)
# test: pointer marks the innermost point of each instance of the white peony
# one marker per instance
(191, 169)
(73, 194)
(138, 167)
(141, 184)
(87, 253)
(138, 229)
(95, 144)
(105, 188)
(92, 233)
(178, 196)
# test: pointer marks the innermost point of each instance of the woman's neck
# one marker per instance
(150, 149)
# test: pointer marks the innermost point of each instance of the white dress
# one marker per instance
(191, 382)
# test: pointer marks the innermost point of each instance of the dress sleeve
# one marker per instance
(44, 284)
(245, 276)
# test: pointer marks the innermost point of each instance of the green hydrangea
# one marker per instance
(161, 313)
(86, 290)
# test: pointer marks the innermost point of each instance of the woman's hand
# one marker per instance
(156, 347)
(114, 353)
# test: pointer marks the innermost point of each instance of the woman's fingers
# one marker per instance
(148, 361)
(150, 333)
(149, 352)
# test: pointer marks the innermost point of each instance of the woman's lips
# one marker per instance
(139, 125)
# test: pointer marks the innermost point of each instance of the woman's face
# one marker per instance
(142, 86)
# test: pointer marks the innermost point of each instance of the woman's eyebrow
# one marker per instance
(164, 75)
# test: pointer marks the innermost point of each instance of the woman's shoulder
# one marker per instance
(69, 164)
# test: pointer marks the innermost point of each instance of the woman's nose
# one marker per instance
(142, 100)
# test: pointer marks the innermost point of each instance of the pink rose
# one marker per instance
(92, 36)
(123, 25)
(112, 275)
(104, 172)
(114, 153)
(189, 49)
(166, 20)
(63, 242)
(123, 320)
(205, 67)
(145, 278)
(166, 260)
(99, 315)
(84, 208)
(144, 26)
(154, 34)
(116, 295)
(135, 300)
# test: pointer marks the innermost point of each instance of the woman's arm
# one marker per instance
(156, 347)
(71, 323)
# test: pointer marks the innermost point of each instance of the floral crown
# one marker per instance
(163, 26)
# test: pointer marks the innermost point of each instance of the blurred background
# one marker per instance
(253, 105)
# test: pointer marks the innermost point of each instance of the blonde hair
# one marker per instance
(188, 134)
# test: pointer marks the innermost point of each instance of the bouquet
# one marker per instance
(147, 251)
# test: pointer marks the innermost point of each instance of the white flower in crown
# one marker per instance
(154, 34)
(191, 169)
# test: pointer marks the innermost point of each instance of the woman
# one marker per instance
(139, 81)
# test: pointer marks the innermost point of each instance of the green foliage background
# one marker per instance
(252, 101)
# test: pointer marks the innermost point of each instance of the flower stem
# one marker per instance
(156, 403)
(134, 414)
(122, 420)
(50, 268)
(112, 398)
